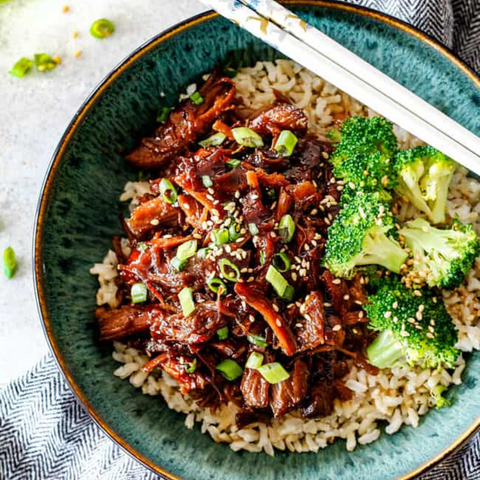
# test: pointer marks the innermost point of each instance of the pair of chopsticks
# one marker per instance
(286, 32)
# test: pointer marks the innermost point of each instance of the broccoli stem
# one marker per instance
(378, 249)
(385, 350)
(439, 207)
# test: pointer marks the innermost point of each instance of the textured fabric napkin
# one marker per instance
(45, 434)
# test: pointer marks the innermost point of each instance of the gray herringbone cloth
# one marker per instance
(45, 434)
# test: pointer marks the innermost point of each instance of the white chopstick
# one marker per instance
(286, 32)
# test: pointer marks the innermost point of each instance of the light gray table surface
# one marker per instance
(34, 112)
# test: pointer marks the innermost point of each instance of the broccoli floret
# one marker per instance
(414, 326)
(437, 397)
(441, 258)
(363, 234)
(424, 175)
(364, 156)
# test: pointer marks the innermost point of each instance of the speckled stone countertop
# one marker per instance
(34, 112)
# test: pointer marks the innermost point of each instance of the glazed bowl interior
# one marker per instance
(78, 215)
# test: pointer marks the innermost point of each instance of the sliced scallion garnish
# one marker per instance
(139, 293)
(229, 270)
(102, 28)
(252, 227)
(254, 361)
(278, 282)
(281, 262)
(257, 340)
(229, 369)
(44, 62)
(286, 228)
(186, 301)
(187, 250)
(213, 141)
(273, 373)
(197, 98)
(217, 285)
(222, 333)
(9, 262)
(178, 264)
(22, 67)
(247, 137)
(207, 181)
(234, 163)
(220, 237)
(168, 191)
(142, 246)
(163, 115)
(203, 252)
(262, 257)
(191, 367)
(286, 143)
(234, 231)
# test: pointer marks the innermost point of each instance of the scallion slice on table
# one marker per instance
(278, 282)
(187, 250)
(229, 369)
(197, 98)
(273, 372)
(44, 62)
(163, 114)
(9, 262)
(22, 67)
(191, 367)
(222, 333)
(286, 228)
(139, 293)
(254, 361)
(257, 340)
(168, 191)
(186, 301)
(281, 262)
(102, 28)
(217, 285)
(213, 141)
(229, 270)
(285, 143)
(247, 137)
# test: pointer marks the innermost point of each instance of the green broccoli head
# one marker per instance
(364, 156)
(424, 175)
(414, 326)
(441, 257)
(363, 233)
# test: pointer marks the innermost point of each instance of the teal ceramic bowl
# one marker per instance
(77, 217)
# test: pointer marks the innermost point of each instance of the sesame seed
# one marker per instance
(327, 221)
(419, 316)
(308, 317)
(417, 293)
(302, 272)
(314, 243)
(243, 270)
(298, 325)
(325, 155)
(336, 328)
(237, 194)
(314, 211)
(351, 185)
(294, 276)
(75, 34)
(275, 307)
(65, 9)
(395, 319)
(395, 305)
(209, 197)
(197, 236)
(327, 304)
(250, 279)
(278, 322)
(77, 53)
(306, 247)
(251, 318)
(239, 240)
(337, 281)
(211, 190)
(155, 222)
(361, 314)
(430, 335)
(346, 297)
(404, 333)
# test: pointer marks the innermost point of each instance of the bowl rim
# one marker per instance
(46, 190)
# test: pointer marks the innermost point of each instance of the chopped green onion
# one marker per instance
(9, 262)
(207, 181)
(286, 143)
(187, 250)
(178, 264)
(142, 246)
(262, 257)
(229, 369)
(213, 141)
(217, 285)
(220, 237)
(163, 115)
(102, 28)
(272, 194)
(191, 367)
(257, 340)
(281, 262)
(44, 62)
(286, 228)
(222, 333)
(247, 137)
(196, 98)
(234, 163)
(229, 270)
(273, 372)
(234, 231)
(203, 252)
(254, 361)
(253, 228)
(21, 68)
(139, 293)
(186, 301)
(168, 191)
(278, 282)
